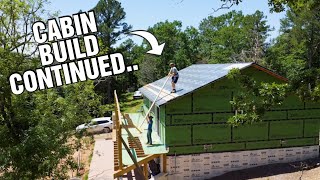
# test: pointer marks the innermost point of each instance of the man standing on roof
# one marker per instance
(150, 122)
(175, 76)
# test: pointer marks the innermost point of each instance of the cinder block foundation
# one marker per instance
(208, 165)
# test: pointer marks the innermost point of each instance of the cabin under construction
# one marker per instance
(192, 139)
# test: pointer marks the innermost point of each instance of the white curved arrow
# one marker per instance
(156, 48)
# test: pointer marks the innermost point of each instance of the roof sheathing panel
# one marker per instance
(190, 79)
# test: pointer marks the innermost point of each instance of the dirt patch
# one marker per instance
(305, 170)
(83, 157)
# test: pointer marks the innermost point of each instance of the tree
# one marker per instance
(131, 52)
(294, 54)
(16, 19)
(41, 125)
(110, 20)
(297, 51)
(170, 33)
(13, 42)
(254, 99)
(192, 43)
(277, 5)
(256, 30)
(182, 48)
(234, 37)
(149, 69)
(35, 128)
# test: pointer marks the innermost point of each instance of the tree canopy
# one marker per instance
(35, 127)
(234, 37)
(110, 17)
(279, 5)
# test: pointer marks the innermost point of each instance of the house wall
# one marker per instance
(197, 123)
(162, 124)
(147, 103)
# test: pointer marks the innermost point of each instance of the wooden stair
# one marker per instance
(116, 155)
(139, 151)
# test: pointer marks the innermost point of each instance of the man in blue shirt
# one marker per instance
(150, 121)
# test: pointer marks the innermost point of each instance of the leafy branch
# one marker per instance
(254, 99)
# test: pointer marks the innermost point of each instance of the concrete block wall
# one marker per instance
(208, 165)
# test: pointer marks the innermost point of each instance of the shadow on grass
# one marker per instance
(131, 107)
(133, 103)
(126, 96)
(128, 104)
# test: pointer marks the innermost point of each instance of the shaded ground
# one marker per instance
(85, 154)
(305, 170)
(101, 167)
(82, 157)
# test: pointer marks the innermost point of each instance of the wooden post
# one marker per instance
(118, 128)
(164, 163)
(145, 170)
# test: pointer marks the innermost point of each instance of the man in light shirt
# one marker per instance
(175, 76)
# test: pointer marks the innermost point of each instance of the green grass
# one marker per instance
(130, 105)
(90, 157)
(86, 176)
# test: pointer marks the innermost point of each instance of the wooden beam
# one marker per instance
(126, 116)
(164, 163)
(114, 128)
(114, 125)
(118, 128)
(145, 170)
(270, 72)
(133, 159)
(147, 114)
(130, 135)
(133, 166)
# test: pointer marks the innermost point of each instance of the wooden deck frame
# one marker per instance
(130, 135)
(137, 164)
(119, 173)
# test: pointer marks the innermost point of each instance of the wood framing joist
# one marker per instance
(130, 123)
(118, 128)
(129, 168)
